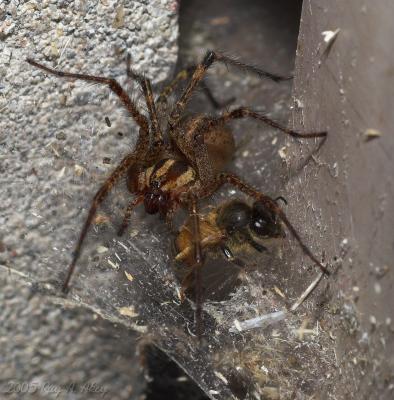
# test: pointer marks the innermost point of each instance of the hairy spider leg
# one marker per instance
(202, 126)
(194, 137)
(196, 134)
(126, 218)
(199, 128)
(170, 88)
(170, 217)
(237, 182)
(243, 112)
(97, 200)
(146, 86)
(187, 73)
(198, 75)
(139, 118)
(140, 152)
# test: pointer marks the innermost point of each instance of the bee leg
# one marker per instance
(229, 255)
(248, 239)
(186, 283)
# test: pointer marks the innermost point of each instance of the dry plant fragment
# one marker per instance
(266, 320)
(129, 276)
(371, 134)
(330, 36)
(128, 311)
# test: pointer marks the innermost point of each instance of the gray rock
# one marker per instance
(53, 139)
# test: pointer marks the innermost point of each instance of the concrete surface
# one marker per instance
(53, 141)
(348, 188)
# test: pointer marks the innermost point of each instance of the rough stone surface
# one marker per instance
(53, 145)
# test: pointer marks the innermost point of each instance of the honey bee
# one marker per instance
(232, 228)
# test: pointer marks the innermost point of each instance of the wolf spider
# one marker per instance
(183, 163)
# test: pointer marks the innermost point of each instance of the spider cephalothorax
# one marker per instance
(184, 161)
(162, 185)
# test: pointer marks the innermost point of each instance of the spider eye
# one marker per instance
(234, 216)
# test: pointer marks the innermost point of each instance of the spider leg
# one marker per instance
(126, 219)
(215, 103)
(192, 145)
(187, 73)
(168, 89)
(97, 200)
(142, 147)
(199, 262)
(140, 119)
(244, 112)
(273, 206)
(169, 218)
(219, 57)
(199, 72)
(148, 94)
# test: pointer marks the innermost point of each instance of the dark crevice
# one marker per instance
(166, 380)
(260, 32)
